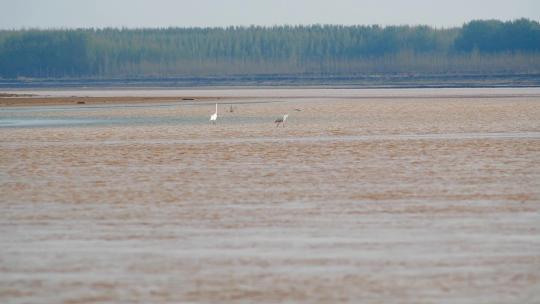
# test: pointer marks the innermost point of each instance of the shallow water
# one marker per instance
(97, 115)
(354, 200)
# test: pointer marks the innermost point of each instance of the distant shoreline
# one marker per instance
(238, 81)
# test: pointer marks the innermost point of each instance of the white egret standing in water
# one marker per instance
(213, 118)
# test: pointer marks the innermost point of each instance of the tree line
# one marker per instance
(481, 46)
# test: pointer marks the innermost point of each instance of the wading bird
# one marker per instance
(213, 118)
(281, 120)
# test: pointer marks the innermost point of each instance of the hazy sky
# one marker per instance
(183, 13)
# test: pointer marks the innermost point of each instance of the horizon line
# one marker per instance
(260, 26)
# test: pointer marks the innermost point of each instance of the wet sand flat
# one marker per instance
(384, 199)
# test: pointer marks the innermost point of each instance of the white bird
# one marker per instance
(281, 120)
(213, 118)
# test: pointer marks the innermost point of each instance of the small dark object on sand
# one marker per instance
(81, 102)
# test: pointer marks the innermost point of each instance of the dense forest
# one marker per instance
(477, 47)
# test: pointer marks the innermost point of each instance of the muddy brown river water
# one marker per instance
(365, 196)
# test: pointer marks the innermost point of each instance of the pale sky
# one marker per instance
(15, 14)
